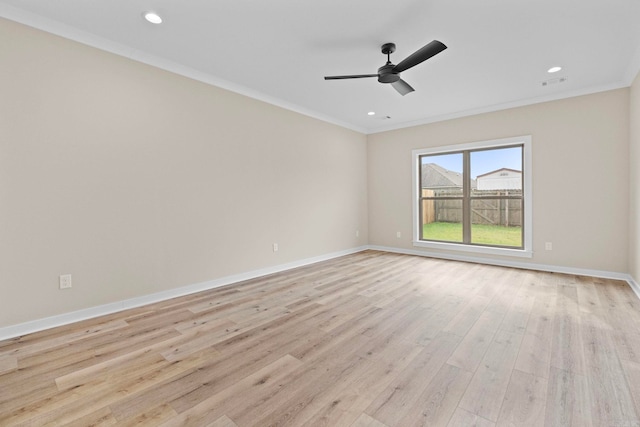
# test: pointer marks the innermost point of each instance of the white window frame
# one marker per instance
(527, 250)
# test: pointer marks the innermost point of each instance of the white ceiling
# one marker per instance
(279, 50)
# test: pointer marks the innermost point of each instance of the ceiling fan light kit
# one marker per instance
(390, 73)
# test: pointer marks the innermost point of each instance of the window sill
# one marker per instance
(521, 253)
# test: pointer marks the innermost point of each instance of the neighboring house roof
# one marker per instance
(498, 170)
(435, 176)
(500, 179)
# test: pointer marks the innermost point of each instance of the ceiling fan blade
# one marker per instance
(402, 87)
(421, 55)
(355, 76)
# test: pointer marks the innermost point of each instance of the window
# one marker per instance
(474, 197)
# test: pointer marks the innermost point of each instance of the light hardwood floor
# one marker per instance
(371, 339)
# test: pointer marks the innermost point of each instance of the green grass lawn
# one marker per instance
(480, 233)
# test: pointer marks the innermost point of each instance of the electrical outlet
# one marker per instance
(357, 233)
(275, 247)
(398, 234)
(548, 246)
(65, 281)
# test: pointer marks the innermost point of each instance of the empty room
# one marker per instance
(230, 214)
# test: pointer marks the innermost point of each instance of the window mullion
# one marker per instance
(466, 194)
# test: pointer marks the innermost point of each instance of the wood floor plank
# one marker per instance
(393, 341)
(349, 400)
(462, 418)
(366, 421)
(517, 316)
(504, 291)
(198, 339)
(588, 295)
(253, 388)
(469, 353)
(102, 417)
(305, 386)
(112, 345)
(130, 364)
(152, 417)
(611, 399)
(78, 402)
(615, 294)
(596, 336)
(403, 392)
(487, 389)
(568, 400)
(626, 340)
(467, 316)
(64, 340)
(312, 405)
(69, 330)
(349, 334)
(566, 347)
(118, 365)
(38, 371)
(304, 396)
(627, 344)
(344, 312)
(223, 421)
(524, 402)
(191, 389)
(436, 319)
(535, 351)
(438, 402)
(8, 364)
(632, 374)
(370, 338)
(21, 395)
(534, 355)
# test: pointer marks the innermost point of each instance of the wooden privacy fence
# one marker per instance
(503, 212)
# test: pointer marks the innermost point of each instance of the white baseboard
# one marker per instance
(101, 310)
(634, 285)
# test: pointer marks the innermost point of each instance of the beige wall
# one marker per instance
(136, 180)
(580, 176)
(634, 166)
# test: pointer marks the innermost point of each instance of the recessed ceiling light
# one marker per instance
(371, 113)
(554, 69)
(152, 17)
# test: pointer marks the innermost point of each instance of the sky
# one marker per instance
(481, 161)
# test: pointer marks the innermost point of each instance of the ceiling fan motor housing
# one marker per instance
(386, 74)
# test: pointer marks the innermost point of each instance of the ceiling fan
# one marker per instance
(390, 73)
